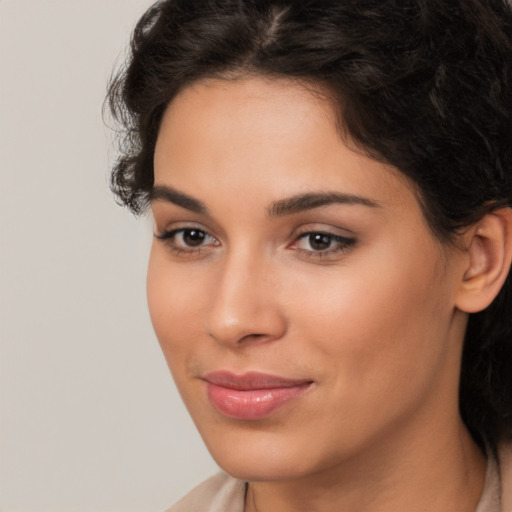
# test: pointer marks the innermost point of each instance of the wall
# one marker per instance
(89, 418)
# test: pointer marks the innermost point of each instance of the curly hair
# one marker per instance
(424, 85)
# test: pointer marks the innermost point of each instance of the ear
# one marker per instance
(489, 254)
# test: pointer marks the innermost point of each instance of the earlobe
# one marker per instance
(489, 251)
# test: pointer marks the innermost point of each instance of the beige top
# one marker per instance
(222, 493)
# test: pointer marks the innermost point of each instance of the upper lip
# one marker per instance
(251, 380)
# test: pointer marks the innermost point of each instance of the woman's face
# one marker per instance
(304, 308)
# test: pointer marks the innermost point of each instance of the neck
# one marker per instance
(445, 471)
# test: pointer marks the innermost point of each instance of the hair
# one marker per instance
(423, 85)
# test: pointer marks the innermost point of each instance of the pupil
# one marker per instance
(319, 241)
(193, 237)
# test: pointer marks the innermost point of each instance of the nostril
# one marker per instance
(240, 339)
(250, 337)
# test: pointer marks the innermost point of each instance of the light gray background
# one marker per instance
(89, 418)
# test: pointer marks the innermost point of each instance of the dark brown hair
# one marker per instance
(425, 85)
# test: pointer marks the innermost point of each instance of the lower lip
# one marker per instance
(253, 404)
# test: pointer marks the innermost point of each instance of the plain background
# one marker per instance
(89, 417)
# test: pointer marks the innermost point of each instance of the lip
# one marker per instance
(252, 395)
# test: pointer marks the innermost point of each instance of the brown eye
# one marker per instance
(193, 237)
(187, 239)
(320, 241)
(322, 244)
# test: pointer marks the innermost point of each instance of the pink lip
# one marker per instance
(251, 396)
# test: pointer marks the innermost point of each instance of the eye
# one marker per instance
(319, 244)
(191, 237)
(187, 239)
(317, 241)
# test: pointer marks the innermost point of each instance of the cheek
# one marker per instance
(174, 305)
(379, 325)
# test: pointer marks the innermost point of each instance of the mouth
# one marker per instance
(252, 396)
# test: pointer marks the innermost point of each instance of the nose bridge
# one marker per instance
(243, 305)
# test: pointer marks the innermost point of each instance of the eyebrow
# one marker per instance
(171, 195)
(311, 200)
(287, 206)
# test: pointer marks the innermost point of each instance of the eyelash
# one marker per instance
(342, 243)
(168, 238)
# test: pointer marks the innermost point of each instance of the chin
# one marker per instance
(259, 469)
(258, 456)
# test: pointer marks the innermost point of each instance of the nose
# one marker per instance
(244, 304)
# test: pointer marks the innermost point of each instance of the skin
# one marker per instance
(371, 319)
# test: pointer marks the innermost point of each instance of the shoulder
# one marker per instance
(220, 493)
(505, 469)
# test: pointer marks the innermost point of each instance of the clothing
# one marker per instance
(222, 493)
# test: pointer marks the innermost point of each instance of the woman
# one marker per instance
(331, 187)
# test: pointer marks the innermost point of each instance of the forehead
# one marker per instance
(250, 110)
(251, 132)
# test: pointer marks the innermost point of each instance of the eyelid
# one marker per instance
(168, 239)
(169, 233)
(178, 225)
(343, 243)
(323, 228)
(333, 236)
